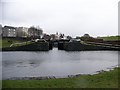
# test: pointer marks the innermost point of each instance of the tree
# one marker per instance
(35, 32)
(69, 37)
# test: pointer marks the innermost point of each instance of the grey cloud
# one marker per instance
(74, 17)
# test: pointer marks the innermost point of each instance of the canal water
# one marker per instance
(56, 63)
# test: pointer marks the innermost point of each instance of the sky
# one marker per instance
(71, 17)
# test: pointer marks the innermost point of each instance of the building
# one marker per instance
(56, 36)
(9, 31)
(22, 32)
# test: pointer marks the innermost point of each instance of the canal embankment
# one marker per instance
(9, 44)
(87, 46)
(38, 46)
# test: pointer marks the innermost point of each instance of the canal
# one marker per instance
(56, 63)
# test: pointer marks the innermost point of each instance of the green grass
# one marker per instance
(110, 38)
(102, 80)
(7, 42)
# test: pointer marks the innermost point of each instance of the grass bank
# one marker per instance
(102, 80)
(110, 38)
(6, 42)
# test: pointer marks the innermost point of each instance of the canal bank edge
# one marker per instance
(69, 76)
(108, 79)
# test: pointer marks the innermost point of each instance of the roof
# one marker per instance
(10, 27)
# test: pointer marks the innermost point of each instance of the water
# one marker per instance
(56, 63)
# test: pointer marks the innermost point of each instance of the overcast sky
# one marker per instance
(71, 17)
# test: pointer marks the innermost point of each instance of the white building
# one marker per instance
(9, 31)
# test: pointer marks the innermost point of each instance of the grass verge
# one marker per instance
(4, 43)
(110, 38)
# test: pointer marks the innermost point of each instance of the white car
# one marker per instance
(75, 40)
(40, 40)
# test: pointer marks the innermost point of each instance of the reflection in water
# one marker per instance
(35, 63)
(56, 63)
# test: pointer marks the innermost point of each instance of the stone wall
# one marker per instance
(76, 46)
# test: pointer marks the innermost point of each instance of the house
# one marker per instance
(9, 31)
(55, 36)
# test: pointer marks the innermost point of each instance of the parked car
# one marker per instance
(40, 40)
(75, 40)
